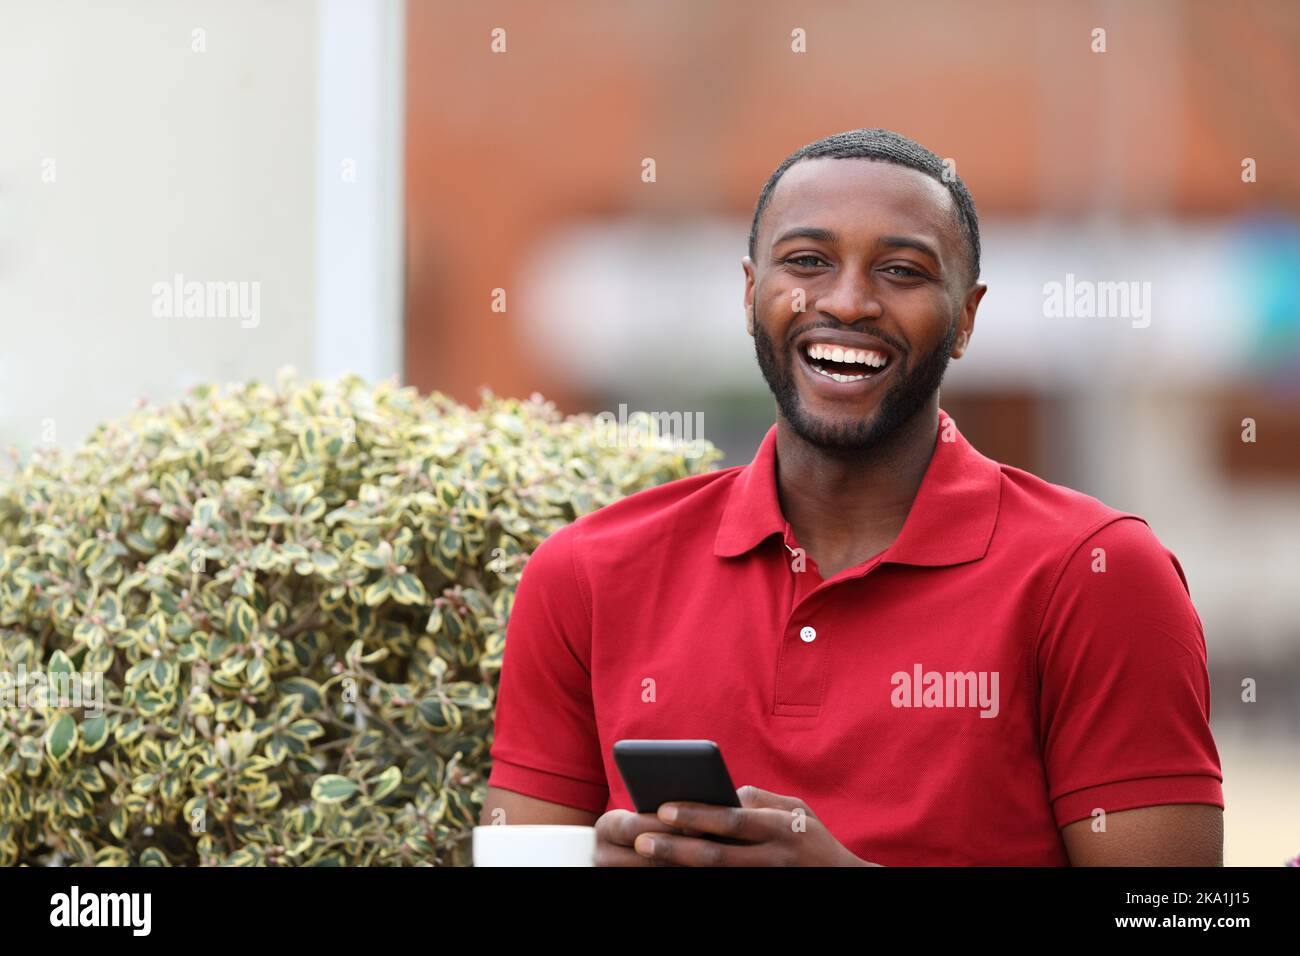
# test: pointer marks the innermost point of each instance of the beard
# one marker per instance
(908, 395)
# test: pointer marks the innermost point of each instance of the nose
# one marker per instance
(852, 298)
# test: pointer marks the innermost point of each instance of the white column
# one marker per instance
(359, 195)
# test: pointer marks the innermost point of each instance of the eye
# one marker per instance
(907, 272)
(805, 258)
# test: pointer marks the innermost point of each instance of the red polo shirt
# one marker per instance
(1021, 656)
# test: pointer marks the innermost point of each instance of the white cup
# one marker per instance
(534, 845)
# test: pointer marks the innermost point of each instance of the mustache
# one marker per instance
(858, 328)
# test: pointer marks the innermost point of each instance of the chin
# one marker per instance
(842, 430)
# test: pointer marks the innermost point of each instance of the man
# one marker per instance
(908, 653)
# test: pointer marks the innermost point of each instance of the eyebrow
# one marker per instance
(807, 232)
(828, 235)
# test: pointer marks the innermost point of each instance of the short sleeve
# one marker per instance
(545, 743)
(1124, 690)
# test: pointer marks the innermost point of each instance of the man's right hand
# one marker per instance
(616, 833)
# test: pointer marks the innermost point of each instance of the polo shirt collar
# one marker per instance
(950, 522)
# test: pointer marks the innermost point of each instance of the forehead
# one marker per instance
(860, 197)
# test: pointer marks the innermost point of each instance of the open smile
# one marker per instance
(841, 370)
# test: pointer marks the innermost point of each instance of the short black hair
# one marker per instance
(885, 146)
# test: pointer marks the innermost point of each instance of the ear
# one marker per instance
(747, 265)
(966, 325)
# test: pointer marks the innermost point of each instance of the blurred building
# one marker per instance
(527, 136)
(525, 179)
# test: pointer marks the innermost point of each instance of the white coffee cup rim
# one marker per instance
(532, 826)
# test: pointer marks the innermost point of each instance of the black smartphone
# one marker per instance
(662, 771)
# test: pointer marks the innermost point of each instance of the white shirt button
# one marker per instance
(808, 635)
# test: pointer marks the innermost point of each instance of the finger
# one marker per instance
(751, 796)
(793, 809)
(622, 827)
(610, 854)
(676, 850)
(736, 823)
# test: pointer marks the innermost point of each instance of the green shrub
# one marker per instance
(294, 598)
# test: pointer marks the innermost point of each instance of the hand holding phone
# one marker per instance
(656, 772)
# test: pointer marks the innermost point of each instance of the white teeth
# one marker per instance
(874, 359)
(839, 354)
(838, 377)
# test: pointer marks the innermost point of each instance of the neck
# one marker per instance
(848, 506)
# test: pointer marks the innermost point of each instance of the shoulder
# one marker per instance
(1077, 542)
(1059, 520)
(1108, 579)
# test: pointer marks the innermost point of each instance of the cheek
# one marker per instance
(924, 319)
(772, 313)
(796, 300)
(786, 299)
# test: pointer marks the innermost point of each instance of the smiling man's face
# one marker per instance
(877, 253)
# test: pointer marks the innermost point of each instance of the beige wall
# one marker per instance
(166, 161)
